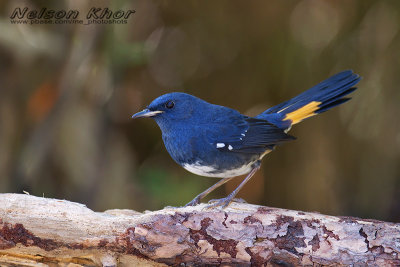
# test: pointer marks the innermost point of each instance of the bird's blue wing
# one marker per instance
(246, 135)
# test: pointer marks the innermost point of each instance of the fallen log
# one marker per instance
(37, 231)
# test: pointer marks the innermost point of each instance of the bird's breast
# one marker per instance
(214, 171)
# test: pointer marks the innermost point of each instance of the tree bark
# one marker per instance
(36, 231)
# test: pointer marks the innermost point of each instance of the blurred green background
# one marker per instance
(67, 93)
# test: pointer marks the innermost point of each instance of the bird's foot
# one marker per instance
(194, 202)
(222, 202)
(237, 200)
(218, 203)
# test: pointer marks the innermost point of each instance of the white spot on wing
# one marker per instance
(243, 134)
(219, 145)
(230, 147)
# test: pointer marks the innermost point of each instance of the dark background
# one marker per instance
(67, 93)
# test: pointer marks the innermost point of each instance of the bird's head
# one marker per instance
(172, 108)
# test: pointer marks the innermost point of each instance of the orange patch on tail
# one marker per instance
(303, 113)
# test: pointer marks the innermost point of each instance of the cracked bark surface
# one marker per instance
(37, 231)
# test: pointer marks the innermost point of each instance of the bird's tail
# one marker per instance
(317, 99)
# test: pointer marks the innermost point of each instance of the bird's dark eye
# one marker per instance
(170, 104)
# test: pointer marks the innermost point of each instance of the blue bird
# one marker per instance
(216, 141)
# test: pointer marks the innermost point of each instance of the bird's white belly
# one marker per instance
(210, 171)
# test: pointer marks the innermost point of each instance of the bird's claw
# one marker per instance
(222, 203)
(237, 200)
(194, 202)
(213, 203)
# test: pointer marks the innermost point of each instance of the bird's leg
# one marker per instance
(223, 202)
(200, 196)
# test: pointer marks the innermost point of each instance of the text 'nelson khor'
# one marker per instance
(94, 13)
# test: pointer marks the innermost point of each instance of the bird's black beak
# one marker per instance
(146, 113)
